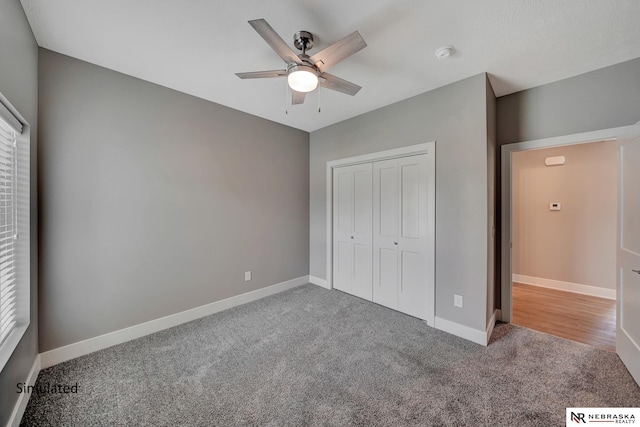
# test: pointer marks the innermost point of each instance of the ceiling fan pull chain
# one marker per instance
(286, 99)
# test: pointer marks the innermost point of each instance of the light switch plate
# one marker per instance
(457, 300)
(247, 276)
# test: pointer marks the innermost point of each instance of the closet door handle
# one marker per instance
(395, 243)
(352, 237)
(636, 271)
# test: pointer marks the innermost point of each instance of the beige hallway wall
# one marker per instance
(578, 243)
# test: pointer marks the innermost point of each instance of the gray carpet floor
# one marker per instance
(310, 356)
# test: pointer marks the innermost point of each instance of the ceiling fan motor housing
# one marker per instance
(303, 40)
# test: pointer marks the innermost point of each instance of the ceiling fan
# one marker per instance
(305, 73)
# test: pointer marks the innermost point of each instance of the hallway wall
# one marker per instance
(578, 243)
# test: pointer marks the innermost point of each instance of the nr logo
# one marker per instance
(577, 417)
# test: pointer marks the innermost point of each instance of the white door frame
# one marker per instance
(506, 309)
(395, 153)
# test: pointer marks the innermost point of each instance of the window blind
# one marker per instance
(8, 228)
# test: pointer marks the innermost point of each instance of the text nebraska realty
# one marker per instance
(47, 388)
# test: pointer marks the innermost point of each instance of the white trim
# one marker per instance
(23, 398)
(11, 115)
(410, 150)
(506, 152)
(462, 331)
(71, 351)
(9, 345)
(576, 288)
(318, 281)
(492, 323)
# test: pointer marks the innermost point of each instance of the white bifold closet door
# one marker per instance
(352, 229)
(383, 233)
(403, 250)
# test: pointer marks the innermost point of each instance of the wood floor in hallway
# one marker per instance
(583, 318)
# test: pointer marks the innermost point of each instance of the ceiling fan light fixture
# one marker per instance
(302, 78)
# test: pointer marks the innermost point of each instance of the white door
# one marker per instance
(403, 236)
(628, 298)
(352, 229)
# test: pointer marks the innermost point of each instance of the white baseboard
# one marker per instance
(23, 398)
(566, 286)
(462, 331)
(71, 351)
(318, 281)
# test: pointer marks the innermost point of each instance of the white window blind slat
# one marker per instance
(7, 327)
(7, 305)
(8, 315)
(8, 322)
(6, 258)
(8, 276)
(6, 264)
(6, 292)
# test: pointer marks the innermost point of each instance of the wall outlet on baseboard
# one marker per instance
(247, 276)
(457, 300)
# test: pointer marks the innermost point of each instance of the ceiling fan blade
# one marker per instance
(262, 74)
(332, 82)
(338, 51)
(275, 41)
(297, 97)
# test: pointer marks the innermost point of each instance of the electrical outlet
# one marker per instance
(457, 300)
(247, 276)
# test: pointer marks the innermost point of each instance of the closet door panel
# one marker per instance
(416, 285)
(362, 230)
(410, 199)
(385, 202)
(343, 213)
(362, 271)
(385, 232)
(412, 295)
(385, 292)
(342, 228)
(352, 235)
(343, 266)
(362, 189)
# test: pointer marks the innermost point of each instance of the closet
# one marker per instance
(384, 232)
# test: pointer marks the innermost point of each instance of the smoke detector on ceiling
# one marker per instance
(445, 52)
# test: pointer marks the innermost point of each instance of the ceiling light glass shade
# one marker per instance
(302, 78)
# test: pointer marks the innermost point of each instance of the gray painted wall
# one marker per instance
(154, 201)
(455, 117)
(601, 99)
(19, 85)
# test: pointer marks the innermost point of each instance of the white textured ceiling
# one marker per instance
(196, 46)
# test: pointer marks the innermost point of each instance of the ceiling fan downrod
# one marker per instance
(303, 40)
